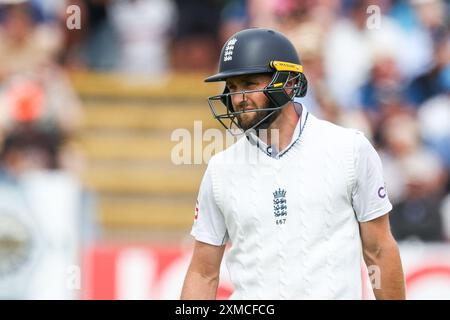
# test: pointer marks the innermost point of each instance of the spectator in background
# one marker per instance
(262, 13)
(50, 10)
(26, 148)
(44, 212)
(35, 92)
(434, 119)
(384, 78)
(233, 17)
(415, 178)
(308, 38)
(416, 37)
(349, 48)
(24, 44)
(33, 87)
(307, 23)
(383, 94)
(50, 105)
(432, 14)
(143, 29)
(430, 83)
(42, 206)
(196, 41)
(94, 45)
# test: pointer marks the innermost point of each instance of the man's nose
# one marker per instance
(239, 99)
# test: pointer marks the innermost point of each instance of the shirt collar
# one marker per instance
(271, 150)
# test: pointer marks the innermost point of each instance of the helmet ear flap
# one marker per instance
(226, 99)
(280, 97)
(303, 86)
(275, 91)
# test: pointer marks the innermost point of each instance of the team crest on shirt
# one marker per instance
(280, 206)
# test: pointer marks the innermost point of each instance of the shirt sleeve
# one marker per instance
(369, 195)
(209, 223)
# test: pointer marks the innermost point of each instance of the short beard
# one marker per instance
(260, 115)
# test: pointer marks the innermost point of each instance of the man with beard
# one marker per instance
(301, 200)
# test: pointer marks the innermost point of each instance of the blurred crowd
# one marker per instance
(42, 203)
(380, 66)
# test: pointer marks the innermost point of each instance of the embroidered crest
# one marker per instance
(280, 206)
(228, 54)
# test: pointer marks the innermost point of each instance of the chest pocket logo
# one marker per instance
(280, 206)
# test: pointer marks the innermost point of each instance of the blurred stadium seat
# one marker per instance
(125, 136)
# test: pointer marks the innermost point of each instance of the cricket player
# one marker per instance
(301, 200)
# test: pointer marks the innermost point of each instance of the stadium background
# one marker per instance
(92, 205)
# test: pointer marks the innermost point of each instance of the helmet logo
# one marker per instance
(228, 54)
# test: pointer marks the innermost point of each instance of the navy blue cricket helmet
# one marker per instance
(257, 51)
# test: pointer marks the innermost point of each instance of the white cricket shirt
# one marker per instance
(293, 219)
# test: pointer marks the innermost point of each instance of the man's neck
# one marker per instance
(280, 132)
